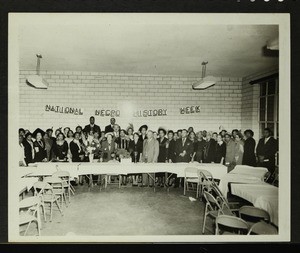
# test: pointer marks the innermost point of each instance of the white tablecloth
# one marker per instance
(242, 174)
(76, 169)
(25, 184)
(258, 172)
(264, 196)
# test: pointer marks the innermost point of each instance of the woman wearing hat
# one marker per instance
(162, 156)
(28, 148)
(143, 132)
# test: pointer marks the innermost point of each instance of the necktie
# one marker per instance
(183, 141)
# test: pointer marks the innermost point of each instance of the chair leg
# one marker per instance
(197, 193)
(59, 208)
(51, 210)
(204, 219)
(38, 227)
(184, 187)
(27, 228)
(44, 211)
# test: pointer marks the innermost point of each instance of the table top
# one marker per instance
(261, 195)
(75, 169)
(25, 184)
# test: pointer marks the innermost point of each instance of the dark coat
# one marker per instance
(135, 147)
(188, 147)
(249, 152)
(108, 129)
(89, 128)
(171, 151)
(27, 152)
(162, 156)
(60, 151)
(220, 152)
(76, 152)
(268, 151)
(210, 151)
(40, 152)
(199, 149)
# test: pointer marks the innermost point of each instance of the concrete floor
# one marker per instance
(127, 211)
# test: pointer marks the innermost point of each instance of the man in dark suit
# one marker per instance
(110, 128)
(266, 150)
(92, 126)
(249, 149)
(184, 148)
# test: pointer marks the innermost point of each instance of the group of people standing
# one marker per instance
(148, 146)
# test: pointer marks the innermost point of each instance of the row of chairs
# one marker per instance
(245, 220)
(52, 191)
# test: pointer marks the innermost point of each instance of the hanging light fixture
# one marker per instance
(37, 81)
(206, 81)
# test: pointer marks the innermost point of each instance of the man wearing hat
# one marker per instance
(143, 130)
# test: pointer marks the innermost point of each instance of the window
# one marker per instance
(269, 106)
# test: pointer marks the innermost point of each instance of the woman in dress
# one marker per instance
(28, 148)
(135, 150)
(162, 156)
(48, 144)
(77, 151)
(193, 138)
(60, 148)
(40, 153)
(199, 148)
(220, 150)
(209, 149)
(239, 149)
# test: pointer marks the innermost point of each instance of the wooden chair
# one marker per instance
(30, 212)
(263, 228)
(231, 225)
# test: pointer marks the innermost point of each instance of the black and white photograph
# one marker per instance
(149, 127)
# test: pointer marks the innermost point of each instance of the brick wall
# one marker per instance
(220, 104)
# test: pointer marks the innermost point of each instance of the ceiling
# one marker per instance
(166, 49)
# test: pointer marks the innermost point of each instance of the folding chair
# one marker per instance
(65, 177)
(253, 214)
(231, 225)
(206, 180)
(30, 212)
(263, 228)
(191, 176)
(47, 195)
(57, 188)
(213, 207)
(39, 189)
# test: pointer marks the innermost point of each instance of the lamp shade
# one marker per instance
(204, 83)
(37, 82)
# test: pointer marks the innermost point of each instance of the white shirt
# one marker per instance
(266, 139)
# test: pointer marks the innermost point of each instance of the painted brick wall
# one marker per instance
(220, 104)
(250, 108)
